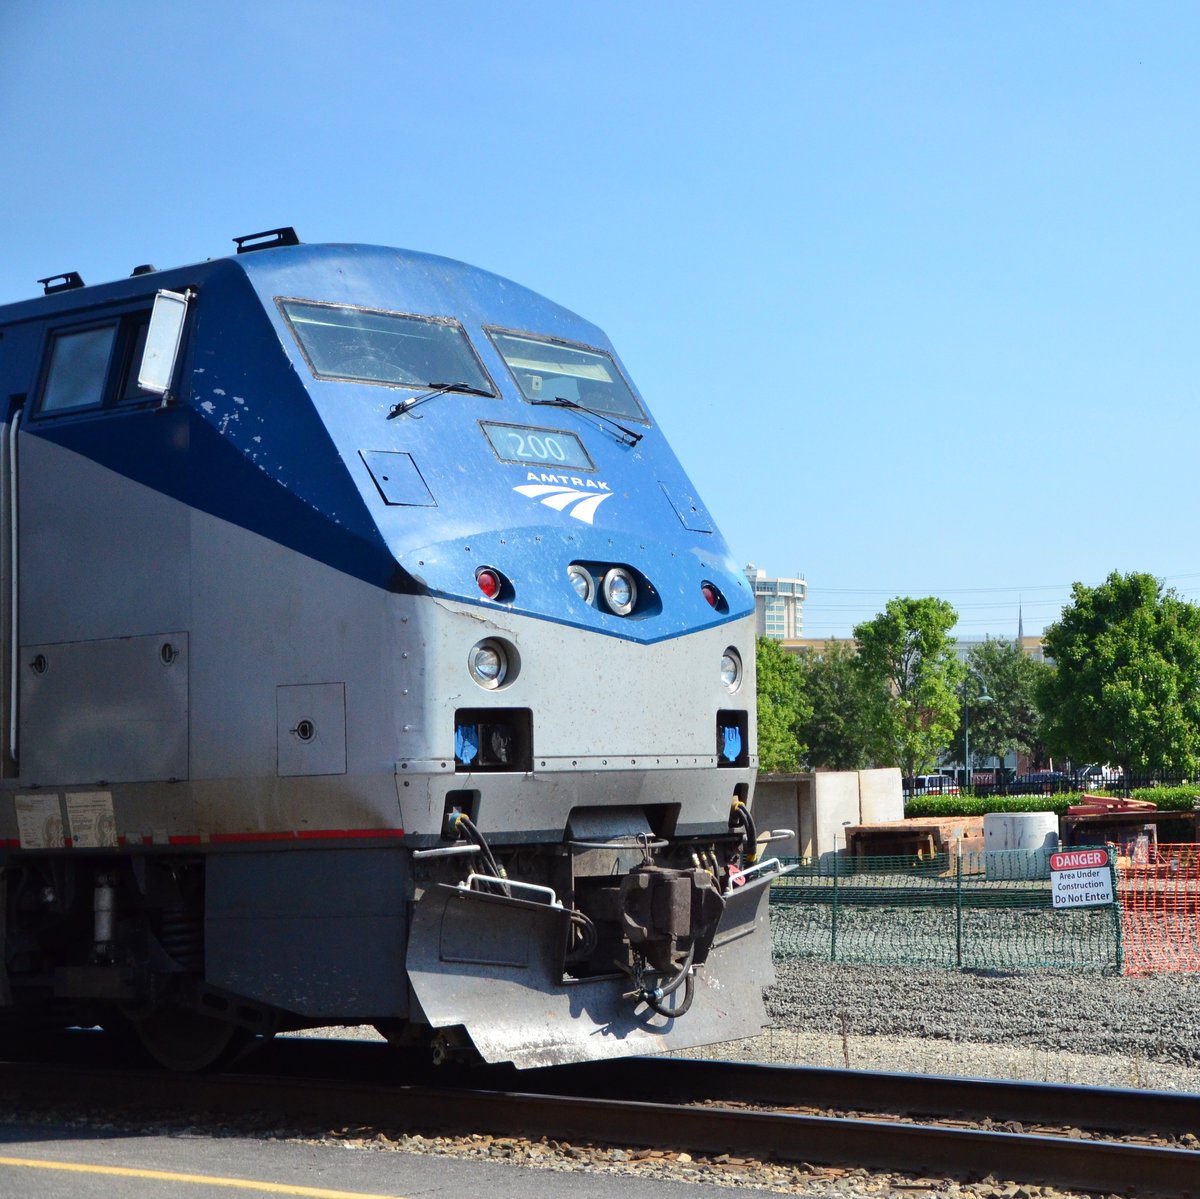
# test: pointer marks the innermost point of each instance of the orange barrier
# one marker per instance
(1158, 888)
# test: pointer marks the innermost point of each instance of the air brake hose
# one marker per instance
(586, 937)
(653, 998)
(741, 815)
(462, 823)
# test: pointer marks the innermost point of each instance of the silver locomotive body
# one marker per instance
(336, 695)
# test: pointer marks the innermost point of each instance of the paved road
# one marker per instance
(47, 1162)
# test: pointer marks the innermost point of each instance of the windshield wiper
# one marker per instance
(435, 389)
(628, 436)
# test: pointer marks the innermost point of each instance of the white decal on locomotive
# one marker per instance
(581, 505)
(567, 481)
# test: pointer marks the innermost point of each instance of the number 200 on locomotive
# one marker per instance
(367, 658)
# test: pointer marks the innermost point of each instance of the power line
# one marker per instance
(1012, 590)
(1061, 587)
(1005, 605)
(826, 619)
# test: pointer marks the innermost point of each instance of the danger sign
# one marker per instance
(1078, 859)
(1080, 878)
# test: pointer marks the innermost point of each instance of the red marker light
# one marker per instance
(710, 593)
(489, 583)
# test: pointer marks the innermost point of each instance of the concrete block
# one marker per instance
(835, 805)
(880, 796)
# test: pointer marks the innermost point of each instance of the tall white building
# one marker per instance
(778, 605)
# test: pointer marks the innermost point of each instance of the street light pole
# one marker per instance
(967, 739)
(981, 698)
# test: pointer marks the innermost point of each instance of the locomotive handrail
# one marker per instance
(492, 880)
(759, 868)
(14, 598)
(445, 851)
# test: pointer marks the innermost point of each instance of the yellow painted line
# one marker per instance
(232, 1184)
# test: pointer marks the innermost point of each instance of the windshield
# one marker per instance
(553, 370)
(369, 346)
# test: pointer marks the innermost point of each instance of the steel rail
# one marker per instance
(675, 1080)
(663, 1080)
(790, 1137)
(1108, 1109)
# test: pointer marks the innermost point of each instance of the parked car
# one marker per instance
(1095, 778)
(1041, 782)
(930, 784)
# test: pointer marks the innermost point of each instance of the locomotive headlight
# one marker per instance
(582, 581)
(731, 669)
(620, 591)
(488, 664)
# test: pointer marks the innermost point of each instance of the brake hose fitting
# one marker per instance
(740, 815)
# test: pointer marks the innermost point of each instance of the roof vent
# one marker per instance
(146, 268)
(66, 282)
(267, 240)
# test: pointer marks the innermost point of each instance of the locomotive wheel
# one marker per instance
(188, 1042)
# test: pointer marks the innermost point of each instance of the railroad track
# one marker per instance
(768, 1112)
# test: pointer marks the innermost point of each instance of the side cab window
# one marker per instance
(94, 366)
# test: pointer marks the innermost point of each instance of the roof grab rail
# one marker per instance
(267, 240)
(67, 281)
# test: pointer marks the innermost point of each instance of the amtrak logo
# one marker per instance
(566, 494)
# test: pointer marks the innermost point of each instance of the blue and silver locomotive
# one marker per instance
(367, 658)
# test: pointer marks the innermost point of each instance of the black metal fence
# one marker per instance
(985, 783)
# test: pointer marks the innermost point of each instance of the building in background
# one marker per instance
(778, 605)
(1031, 645)
(779, 615)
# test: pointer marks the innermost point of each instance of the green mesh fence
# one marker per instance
(978, 911)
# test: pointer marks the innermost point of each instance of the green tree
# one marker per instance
(910, 677)
(835, 732)
(782, 707)
(1010, 720)
(1126, 687)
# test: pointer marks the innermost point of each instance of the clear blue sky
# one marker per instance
(912, 287)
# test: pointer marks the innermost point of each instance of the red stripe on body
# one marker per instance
(317, 834)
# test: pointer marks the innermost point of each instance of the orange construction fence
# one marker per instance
(1158, 888)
